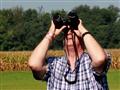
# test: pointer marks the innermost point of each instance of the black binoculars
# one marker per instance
(71, 19)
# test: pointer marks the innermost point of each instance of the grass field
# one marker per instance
(20, 81)
(24, 81)
(114, 79)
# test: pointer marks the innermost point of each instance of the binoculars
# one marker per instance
(71, 19)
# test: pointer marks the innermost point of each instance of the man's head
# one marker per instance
(72, 42)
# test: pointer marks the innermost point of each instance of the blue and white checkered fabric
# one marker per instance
(87, 78)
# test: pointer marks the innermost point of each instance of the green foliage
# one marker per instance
(23, 30)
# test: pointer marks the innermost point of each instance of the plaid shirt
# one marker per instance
(87, 78)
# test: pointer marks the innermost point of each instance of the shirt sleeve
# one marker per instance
(106, 65)
(50, 62)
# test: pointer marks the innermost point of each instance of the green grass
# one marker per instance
(20, 81)
(25, 81)
(114, 79)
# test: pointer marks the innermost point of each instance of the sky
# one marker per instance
(49, 5)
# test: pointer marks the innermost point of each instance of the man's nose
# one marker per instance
(70, 32)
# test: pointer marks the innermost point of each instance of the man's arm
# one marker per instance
(94, 49)
(37, 59)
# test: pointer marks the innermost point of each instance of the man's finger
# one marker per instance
(80, 20)
(62, 28)
(77, 33)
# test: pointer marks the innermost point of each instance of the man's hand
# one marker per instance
(81, 29)
(55, 32)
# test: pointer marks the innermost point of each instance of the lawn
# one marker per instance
(24, 81)
(20, 81)
(114, 79)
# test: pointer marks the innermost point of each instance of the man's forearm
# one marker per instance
(37, 58)
(94, 49)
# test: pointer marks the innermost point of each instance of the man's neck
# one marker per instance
(72, 57)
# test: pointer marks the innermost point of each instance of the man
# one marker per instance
(76, 70)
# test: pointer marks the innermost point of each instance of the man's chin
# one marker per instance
(71, 48)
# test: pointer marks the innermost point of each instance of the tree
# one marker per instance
(23, 30)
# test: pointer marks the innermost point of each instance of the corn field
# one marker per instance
(18, 60)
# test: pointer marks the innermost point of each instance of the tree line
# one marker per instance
(24, 29)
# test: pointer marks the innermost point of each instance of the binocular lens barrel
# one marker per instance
(71, 20)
